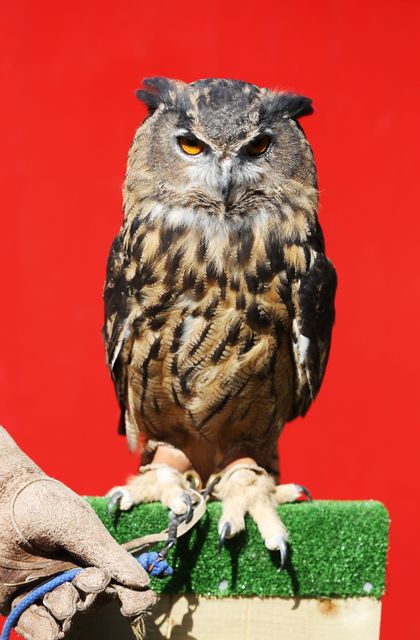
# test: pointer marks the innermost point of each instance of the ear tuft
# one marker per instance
(155, 91)
(285, 105)
(299, 106)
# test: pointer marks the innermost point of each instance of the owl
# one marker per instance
(219, 299)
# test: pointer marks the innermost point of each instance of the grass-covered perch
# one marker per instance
(338, 550)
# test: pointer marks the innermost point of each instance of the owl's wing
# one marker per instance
(116, 330)
(313, 307)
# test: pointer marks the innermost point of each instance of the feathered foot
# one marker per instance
(155, 483)
(247, 488)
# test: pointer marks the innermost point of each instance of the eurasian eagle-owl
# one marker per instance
(219, 297)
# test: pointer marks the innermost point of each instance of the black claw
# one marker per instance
(284, 553)
(305, 492)
(114, 502)
(225, 533)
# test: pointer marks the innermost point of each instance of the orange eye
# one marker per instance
(191, 145)
(258, 145)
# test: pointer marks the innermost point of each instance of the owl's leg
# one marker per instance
(164, 480)
(247, 488)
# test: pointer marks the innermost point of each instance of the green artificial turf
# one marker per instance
(338, 549)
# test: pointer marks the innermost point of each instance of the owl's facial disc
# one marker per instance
(224, 173)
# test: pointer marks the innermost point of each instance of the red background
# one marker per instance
(67, 115)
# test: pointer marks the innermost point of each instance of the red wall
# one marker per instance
(67, 115)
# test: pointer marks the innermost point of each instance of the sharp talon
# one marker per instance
(305, 492)
(225, 533)
(284, 553)
(114, 502)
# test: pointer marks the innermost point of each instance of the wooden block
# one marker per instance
(181, 617)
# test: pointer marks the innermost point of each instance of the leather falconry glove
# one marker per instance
(45, 528)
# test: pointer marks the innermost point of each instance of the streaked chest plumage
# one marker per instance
(209, 304)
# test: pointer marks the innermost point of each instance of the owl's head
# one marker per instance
(223, 147)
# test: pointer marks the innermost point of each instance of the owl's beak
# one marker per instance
(226, 182)
(226, 191)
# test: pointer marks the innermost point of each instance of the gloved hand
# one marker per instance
(46, 528)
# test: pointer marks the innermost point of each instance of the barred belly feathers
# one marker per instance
(219, 298)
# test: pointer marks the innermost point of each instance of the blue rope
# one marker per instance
(155, 564)
(32, 597)
(152, 561)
